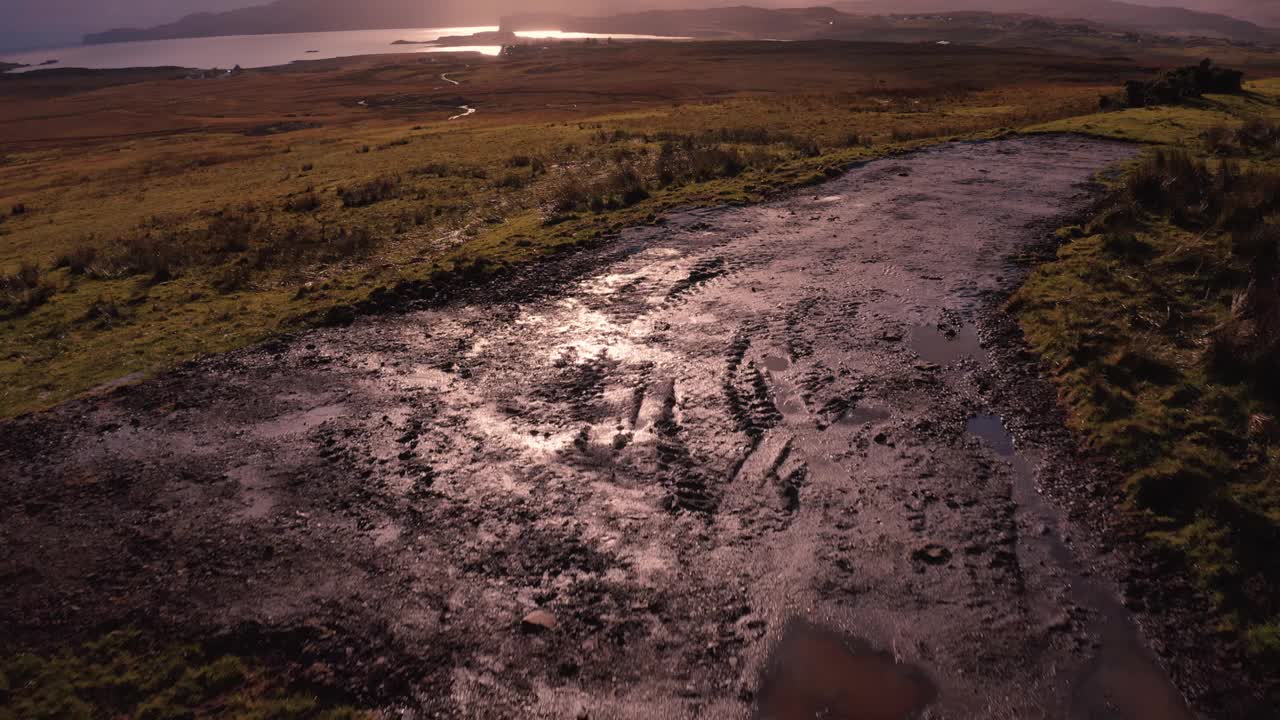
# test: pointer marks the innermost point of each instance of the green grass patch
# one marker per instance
(1159, 323)
(127, 674)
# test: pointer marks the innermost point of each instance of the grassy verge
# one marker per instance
(1160, 322)
(123, 674)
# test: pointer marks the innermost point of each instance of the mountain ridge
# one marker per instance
(286, 16)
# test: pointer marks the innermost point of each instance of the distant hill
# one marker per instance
(1138, 17)
(747, 21)
(284, 16)
(1262, 12)
(31, 24)
(1069, 35)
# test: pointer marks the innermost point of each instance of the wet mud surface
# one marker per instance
(748, 463)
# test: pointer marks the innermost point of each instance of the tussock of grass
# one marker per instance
(1255, 136)
(23, 291)
(370, 192)
(124, 674)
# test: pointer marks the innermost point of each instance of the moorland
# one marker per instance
(155, 216)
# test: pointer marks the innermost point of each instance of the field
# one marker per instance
(149, 220)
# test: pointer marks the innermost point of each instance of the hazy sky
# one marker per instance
(41, 22)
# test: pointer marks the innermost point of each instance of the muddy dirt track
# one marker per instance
(751, 463)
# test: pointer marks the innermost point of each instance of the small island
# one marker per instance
(500, 37)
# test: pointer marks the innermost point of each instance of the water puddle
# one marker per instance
(945, 348)
(864, 415)
(990, 429)
(815, 673)
(776, 364)
(1122, 681)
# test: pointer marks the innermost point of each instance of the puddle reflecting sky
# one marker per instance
(816, 673)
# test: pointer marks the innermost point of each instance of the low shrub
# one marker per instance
(1254, 136)
(620, 186)
(692, 162)
(23, 291)
(159, 255)
(78, 260)
(1182, 85)
(306, 202)
(444, 170)
(368, 193)
(512, 181)
(1193, 193)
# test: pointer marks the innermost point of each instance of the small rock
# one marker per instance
(1060, 623)
(538, 621)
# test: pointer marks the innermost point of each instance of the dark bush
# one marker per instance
(1253, 136)
(443, 170)
(304, 203)
(690, 161)
(568, 193)
(1183, 84)
(350, 242)
(159, 255)
(853, 139)
(620, 186)
(230, 232)
(104, 312)
(234, 278)
(23, 291)
(79, 260)
(370, 192)
(1193, 193)
(512, 181)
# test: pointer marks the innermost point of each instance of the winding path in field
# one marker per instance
(466, 111)
(754, 460)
